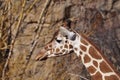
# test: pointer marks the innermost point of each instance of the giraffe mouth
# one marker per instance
(41, 58)
(58, 54)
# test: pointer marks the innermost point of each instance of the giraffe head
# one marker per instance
(66, 41)
(61, 44)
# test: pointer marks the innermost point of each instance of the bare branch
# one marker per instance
(31, 6)
(13, 40)
(39, 28)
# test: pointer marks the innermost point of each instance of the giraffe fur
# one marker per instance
(92, 58)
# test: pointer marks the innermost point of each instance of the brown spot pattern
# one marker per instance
(70, 46)
(91, 69)
(66, 46)
(84, 42)
(50, 46)
(112, 77)
(80, 52)
(83, 47)
(63, 50)
(104, 67)
(94, 53)
(87, 59)
(97, 76)
(95, 63)
(76, 49)
(57, 50)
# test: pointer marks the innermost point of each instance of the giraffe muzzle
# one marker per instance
(44, 57)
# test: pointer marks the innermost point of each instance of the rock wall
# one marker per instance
(97, 19)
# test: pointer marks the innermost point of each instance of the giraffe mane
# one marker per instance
(88, 50)
(65, 31)
(98, 50)
(94, 46)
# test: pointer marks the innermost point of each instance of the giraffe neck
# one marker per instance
(96, 64)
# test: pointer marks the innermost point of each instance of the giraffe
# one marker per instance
(67, 41)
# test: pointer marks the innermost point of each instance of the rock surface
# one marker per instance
(98, 18)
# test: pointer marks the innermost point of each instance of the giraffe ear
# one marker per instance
(73, 37)
(66, 33)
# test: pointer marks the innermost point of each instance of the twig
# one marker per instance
(39, 28)
(31, 6)
(5, 45)
(38, 31)
(29, 9)
(13, 41)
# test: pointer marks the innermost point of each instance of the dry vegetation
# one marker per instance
(14, 18)
(13, 14)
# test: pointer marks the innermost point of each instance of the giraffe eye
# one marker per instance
(58, 40)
